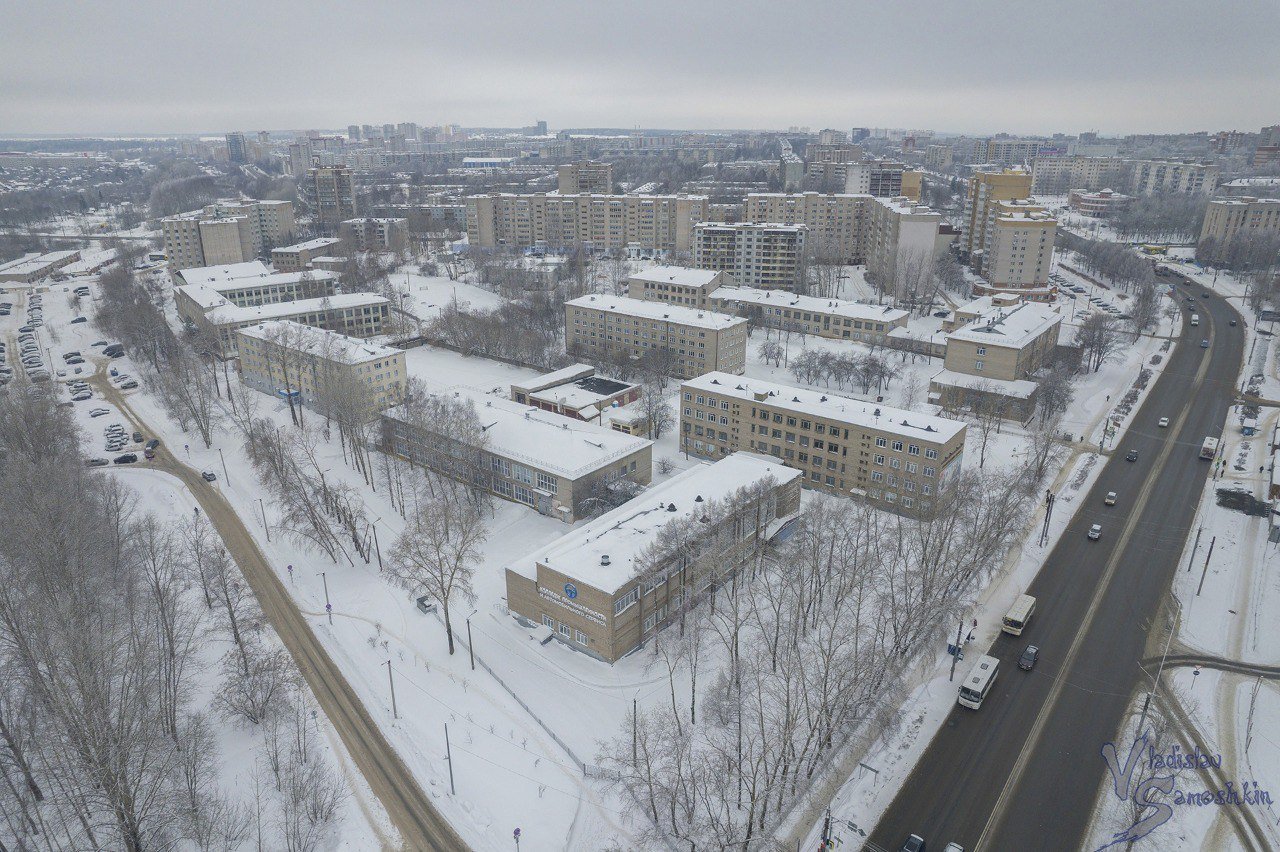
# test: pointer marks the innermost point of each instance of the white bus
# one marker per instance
(1015, 620)
(979, 681)
(1209, 448)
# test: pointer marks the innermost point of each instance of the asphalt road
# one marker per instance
(1024, 771)
(420, 825)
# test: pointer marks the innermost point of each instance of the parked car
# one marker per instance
(1110, 499)
(129, 385)
(1027, 661)
(1232, 323)
(98, 412)
(98, 462)
(209, 476)
(1132, 456)
(153, 443)
(127, 458)
(98, 343)
(137, 437)
(79, 319)
(149, 454)
(1095, 532)
(81, 397)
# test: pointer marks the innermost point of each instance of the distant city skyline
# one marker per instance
(177, 68)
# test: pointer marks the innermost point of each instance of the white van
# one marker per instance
(1195, 319)
(1015, 620)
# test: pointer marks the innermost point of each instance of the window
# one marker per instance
(580, 637)
(877, 476)
(626, 600)
(982, 350)
(549, 621)
(931, 454)
(913, 450)
(565, 630)
(547, 482)
(881, 442)
(879, 459)
(977, 365)
(897, 446)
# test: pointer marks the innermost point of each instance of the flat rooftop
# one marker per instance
(1013, 327)
(644, 309)
(854, 412)
(209, 275)
(564, 446)
(328, 345)
(625, 532)
(311, 245)
(785, 299)
(581, 393)
(679, 275)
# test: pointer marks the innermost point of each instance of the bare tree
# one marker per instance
(1099, 340)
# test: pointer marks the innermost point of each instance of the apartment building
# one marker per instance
(1007, 152)
(237, 152)
(631, 223)
(1018, 255)
(1225, 219)
(1055, 175)
(838, 319)
(903, 241)
(246, 285)
(985, 189)
(369, 233)
(559, 466)
(755, 254)
(834, 151)
(599, 589)
(940, 157)
(299, 256)
(895, 458)
(575, 391)
(332, 193)
(226, 232)
(677, 285)
(1001, 344)
(835, 221)
(1098, 205)
(1172, 176)
(351, 314)
(688, 341)
(588, 177)
(281, 357)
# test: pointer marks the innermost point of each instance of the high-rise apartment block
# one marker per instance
(903, 240)
(835, 222)
(1018, 251)
(764, 255)
(1008, 152)
(892, 457)
(226, 231)
(986, 188)
(632, 223)
(331, 191)
(685, 341)
(1225, 219)
(588, 177)
(1173, 176)
(1056, 175)
(237, 151)
(370, 233)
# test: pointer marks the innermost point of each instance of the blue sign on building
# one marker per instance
(570, 591)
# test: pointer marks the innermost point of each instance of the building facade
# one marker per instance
(609, 586)
(1225, 219)
(985, 189)
(588, 177)
(677, 285)
(279, 357)
(299, 256)
(645, 223)
(903, 241)
(226, 232)
(892, 457)
(369, 233)
(838, 319)
(1098, 205)
(764, 255)
(332, 193)
(1018, 254)
(1148, 177)
(835, 221)
(558, 466)
(350, 314)
(240, 285)
(686, 341)
(1056, 175)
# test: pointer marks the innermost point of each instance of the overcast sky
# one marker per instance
(153, 66)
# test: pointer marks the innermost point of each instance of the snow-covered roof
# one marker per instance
(1014, 327)
(229, 313)
(854, 412)
(557, 377)
(311, 245)
(1020, 388)
(211, 275)
(329, 345)
(622, 534)
(786, 299)
(17, 261)
(543, 440)
(678, 275)
(657, 311)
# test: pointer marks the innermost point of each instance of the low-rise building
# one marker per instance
(299, 256)
(575, 391)
(895, 458)
(322, 369)
(610, 585)
(241, 286)
(755, 254)
(351, 314)
(560, 466)
(676, 285)
(1098, 205)
(839, 319)
(684, 341)
(32, 267)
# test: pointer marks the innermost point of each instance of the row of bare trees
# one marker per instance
(801, 652)
(108, 736)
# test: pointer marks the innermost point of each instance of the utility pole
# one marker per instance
(471, 647)
(394, 713)
(1194, 548)
(264, 517)
(328, 607)
(1205, 570)
(448, 756)
(225, 475)
(376, 548)
(635, 732)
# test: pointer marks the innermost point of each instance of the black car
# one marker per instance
(1232, 323)
(127, 458)
(79, 319)
(1204, 295)
(1132, 455)
(915, 843)
(153, 443)
(96, 462)
(1027, 661)
(137, 437)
